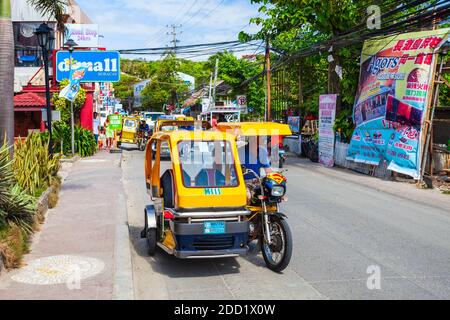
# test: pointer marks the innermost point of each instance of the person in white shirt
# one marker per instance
(95, 126)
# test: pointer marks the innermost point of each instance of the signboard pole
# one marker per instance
(72, 129)
(428, 123)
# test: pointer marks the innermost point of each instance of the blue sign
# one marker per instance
(101, 66)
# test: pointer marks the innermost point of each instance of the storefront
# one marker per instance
(28, 113)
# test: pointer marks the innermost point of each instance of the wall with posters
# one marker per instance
(393, 96)
(327, 113)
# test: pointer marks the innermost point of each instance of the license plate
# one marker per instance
(213, 227)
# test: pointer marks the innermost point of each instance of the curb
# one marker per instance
(70, 160)
(43, 200)
(123, 288)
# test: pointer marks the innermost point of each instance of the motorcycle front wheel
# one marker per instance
(278, 254)
(141, 145)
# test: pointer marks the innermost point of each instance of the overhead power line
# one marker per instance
(422, 17)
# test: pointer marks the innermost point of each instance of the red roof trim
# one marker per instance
(29, 99)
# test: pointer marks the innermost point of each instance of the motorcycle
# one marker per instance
(143, 139)
(282, 156)
(268, 226)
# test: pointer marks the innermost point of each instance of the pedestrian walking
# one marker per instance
(109, 134)
(96, 126)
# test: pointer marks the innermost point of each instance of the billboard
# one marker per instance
(101, 66)
(327, 112)
(85, 35)
(392, 99)
(294, 124)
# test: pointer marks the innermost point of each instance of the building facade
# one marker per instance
(29, 80)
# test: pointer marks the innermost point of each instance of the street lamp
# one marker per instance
(70, 44)
(45, 38)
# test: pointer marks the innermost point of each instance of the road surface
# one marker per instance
(355, 237)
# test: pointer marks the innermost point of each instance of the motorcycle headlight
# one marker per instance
(277, 191)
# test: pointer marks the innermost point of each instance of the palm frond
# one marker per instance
(19, 210)
(54, 8)
(6, 173)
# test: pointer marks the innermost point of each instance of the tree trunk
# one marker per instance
(6, 73)
(300, 91)
(334, 82)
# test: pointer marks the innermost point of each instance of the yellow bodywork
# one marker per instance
(129, 129)
(169, 240)
(193, 197)
(255, 128)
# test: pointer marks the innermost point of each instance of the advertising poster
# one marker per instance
(294, 124)
(394, 91)
(115, 121)
(327, 113)
(70, 92)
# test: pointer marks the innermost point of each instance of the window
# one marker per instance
(207, 164)
(27, 52)
(129, 123)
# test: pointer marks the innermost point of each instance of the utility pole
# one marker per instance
(210, 88)
(216, 71)
(174, 34)
(269, 117)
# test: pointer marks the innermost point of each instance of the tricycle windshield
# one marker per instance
(129, 123)
(207, 164)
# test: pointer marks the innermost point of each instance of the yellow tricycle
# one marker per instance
(129, 133)
(200, 207)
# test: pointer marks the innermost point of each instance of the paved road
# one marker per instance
(343, 224)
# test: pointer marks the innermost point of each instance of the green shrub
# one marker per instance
(85, 144)
(33, 168)
(17, 208)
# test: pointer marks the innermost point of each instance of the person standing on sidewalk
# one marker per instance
(109, 134)
(95, 126)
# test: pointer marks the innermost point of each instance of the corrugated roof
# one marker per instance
(28, 99)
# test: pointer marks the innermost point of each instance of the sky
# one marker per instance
(133, 24)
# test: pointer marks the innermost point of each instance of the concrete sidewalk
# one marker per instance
(82, 251)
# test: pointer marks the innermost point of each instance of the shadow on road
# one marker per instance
(166, 264)
(129, 147)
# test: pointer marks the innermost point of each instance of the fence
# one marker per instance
(340, 154)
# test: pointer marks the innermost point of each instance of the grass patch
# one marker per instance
(13, 245)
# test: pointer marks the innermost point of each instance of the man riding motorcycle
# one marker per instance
(144, 134)
(143, 127)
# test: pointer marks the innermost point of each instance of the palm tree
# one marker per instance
(6, 73)
(48, 8)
